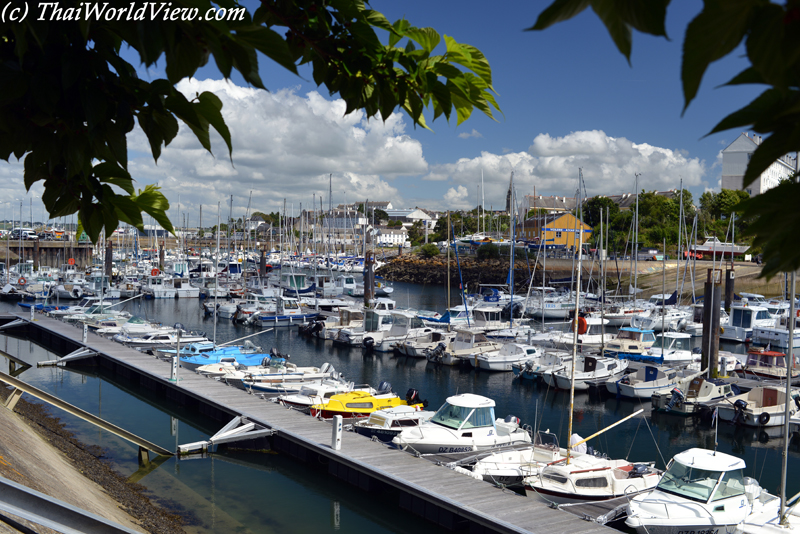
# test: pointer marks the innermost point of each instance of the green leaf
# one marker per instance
(747, 76)
(155, 204)
(764, 43)
(400, 27)
(781, 142)
(128, 211)
(713, 34)
(269, 43)
(209, 106)
(778, 242)
(377, 19)
(427, 38)
(117, 143)
(763, 105)
(110, 172)
(558, 11)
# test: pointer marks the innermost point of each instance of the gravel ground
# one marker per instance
(88, 460)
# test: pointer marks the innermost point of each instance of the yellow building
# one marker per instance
(563, 231)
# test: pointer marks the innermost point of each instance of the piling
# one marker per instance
(711, 305)
(729, 290)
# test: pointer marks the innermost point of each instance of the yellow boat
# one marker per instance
(362, 403)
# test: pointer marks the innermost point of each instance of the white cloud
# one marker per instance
(457, 198)
(551, 167)
(467, 135)
(284, 146)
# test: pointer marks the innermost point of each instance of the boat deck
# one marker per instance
(447, 498)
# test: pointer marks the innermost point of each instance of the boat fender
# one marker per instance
(512, 419)
(763, 419)
(467, 472)
(582, 325)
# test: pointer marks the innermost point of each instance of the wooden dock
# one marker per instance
(442, 496)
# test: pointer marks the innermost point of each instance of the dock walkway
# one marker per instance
(449, 499)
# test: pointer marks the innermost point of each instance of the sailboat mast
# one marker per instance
(513, 239)
(787, 414)
(216, 277)
(575, 325)
(636, 241)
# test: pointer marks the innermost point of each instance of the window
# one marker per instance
(558, 235)
(732, 485)
(594, 482)
(689, 482)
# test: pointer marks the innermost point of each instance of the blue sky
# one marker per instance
(569, 100)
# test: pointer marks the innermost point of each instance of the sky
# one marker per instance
(569, 100)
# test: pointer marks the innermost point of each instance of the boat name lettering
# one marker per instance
(455, 449)
(709, 531)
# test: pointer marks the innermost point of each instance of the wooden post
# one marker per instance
(711, 304)
(729, 288)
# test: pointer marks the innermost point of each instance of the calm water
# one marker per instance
(263, 492)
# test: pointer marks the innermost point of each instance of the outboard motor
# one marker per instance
(514, 309)
(305, 329)
(638, 471)
(179, 326)
(368, 344)
(265, 361)
(435, 354)
(317, 327)
(738, 412)
(276, 354)
(412, 397)
(512, 420)
(677, 398)
(384, 387)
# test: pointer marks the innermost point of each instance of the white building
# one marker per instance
(734, 164)
(387, 237)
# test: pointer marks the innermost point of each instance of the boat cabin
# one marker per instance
(672, 341)
(403, 322)
(467, 339)
(465, 411)
(631, 339)
(293, 281)
(384, 304)
(376, 321)
(704, 476)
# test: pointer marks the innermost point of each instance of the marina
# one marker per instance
(534, 403)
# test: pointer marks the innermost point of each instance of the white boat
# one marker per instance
(701, 491)
(184, 288)
(644, 382)
(589, 478)
(762, 406)
(158, 287)
(588, 368)
(159, 340)
(387, 424)
(590, 334)
(657, 319)
(464, 423)
(670, 348)
(713, 246)
(691, 395)
(631, 341)
(766, 363)
(743, 320)
(287, 313)
(404, 326)
(467, 344)
(318, 392)
(503, 359)
(778, 334)
(549, 361)
(416, 348)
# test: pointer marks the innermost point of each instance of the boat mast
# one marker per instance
(789, 362)
(636, 242)
(216, 277)
(513, 238)
(575, 326)
(680, 222)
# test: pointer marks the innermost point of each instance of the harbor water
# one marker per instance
(266, 492)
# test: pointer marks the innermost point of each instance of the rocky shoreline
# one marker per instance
(85, 459)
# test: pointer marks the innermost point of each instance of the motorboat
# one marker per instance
(743, 320)
(700, 491)
(157, 286)
(778, 334)
(194, 355)
(669, 348)
(549, 360)
(762, 406)
(631, 341)
(765, 363)
(467, 344)
(588, 368)
(644, 382)
(404, 326)
(659, 319)
(287, 313)
(376, 323)
(386, 424)
(464, 423)
(691, 395)
(415, 348)
(160, 340)
(356, 404)
(503, 359)
(584, 477)
(319, 392)
(712, 246)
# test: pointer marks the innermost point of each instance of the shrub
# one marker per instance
(489, 251)
(429, 251)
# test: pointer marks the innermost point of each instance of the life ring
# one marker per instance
(22, 281)
(763, 419)
(154, 272)
(583, 326)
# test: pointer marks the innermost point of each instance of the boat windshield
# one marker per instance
(690, 482)
(628, 334)
(457, 417)
(673, 343)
